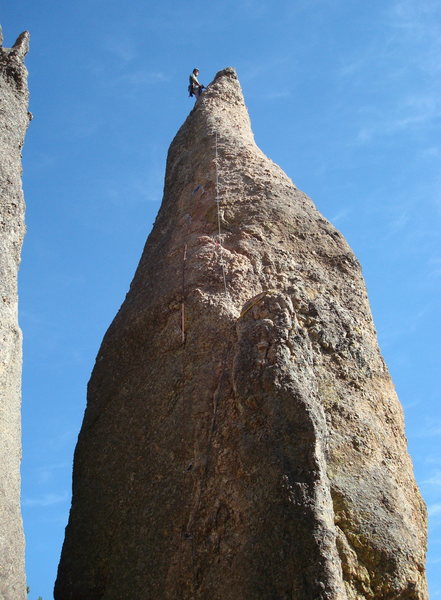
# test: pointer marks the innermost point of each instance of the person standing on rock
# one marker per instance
(195, 88)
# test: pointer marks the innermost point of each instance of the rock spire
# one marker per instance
(242, 437)
(14, 120)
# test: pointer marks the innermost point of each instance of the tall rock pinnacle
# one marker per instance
(242, 438)
(14, 120)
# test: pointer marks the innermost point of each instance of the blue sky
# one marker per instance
(344, 95)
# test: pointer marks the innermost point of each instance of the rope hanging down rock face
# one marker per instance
(219, 235)
(184, 261)
(219, 239)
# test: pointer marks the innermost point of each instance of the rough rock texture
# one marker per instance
(14, 120)
(248, 444)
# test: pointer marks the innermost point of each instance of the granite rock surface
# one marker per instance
(242, 437)
(14, 119)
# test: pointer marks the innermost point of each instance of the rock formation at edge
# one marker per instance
(242, 437)
(14, 119)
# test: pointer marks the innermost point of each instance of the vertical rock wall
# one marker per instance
(14, 119)
(242, 437)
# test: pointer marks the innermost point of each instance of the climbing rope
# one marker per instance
(184, 262)
(219, 241)
(219, 234)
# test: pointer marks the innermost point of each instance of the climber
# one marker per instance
(195, 88)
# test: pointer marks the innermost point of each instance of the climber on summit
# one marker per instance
(195, 88)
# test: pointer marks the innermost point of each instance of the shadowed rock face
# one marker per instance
(14, 120)
(248, 443)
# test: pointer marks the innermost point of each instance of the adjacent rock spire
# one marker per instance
(14, 120)
(242, 437)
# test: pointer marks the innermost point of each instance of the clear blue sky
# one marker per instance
(344, 95)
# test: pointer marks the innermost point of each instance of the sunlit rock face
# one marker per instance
(14, 119)
(242, 437)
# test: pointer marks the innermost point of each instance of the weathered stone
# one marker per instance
(14, 120)
(247, 443)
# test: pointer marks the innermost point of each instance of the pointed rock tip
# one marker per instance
(227, 72)
(220, 109)
(223, 108)
(225, 86)
(21, 46)
(226, 78)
